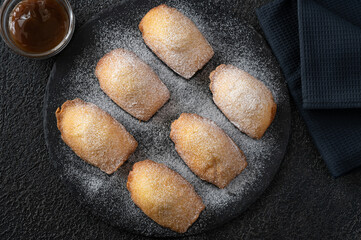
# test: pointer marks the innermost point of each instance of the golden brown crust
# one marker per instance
(207, 149)
(164, 195)
(94, 135)
(131, 83)
(176, 40)
(245, 101)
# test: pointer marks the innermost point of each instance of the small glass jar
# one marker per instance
(5, 13)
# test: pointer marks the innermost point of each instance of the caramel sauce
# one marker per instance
(37, 26)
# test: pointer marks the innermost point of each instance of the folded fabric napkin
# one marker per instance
(318, 45)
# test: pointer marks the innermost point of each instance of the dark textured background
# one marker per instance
(303, 201)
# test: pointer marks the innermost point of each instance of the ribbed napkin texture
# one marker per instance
(336, 131)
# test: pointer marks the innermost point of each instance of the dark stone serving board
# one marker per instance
(234, 42)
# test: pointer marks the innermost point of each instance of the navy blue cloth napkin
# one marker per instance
(330, 48)
(317, 44)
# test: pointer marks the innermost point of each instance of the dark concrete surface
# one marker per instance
(303, 201)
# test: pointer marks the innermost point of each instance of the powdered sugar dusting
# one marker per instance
(233, 43)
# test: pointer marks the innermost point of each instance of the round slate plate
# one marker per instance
(234, 42)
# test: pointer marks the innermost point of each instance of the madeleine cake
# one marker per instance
(164, 195)
(207, 149)
(245, 100)
(176, 40)
(131, 83)
(94, 135)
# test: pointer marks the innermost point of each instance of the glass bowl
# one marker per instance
(5, 12)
